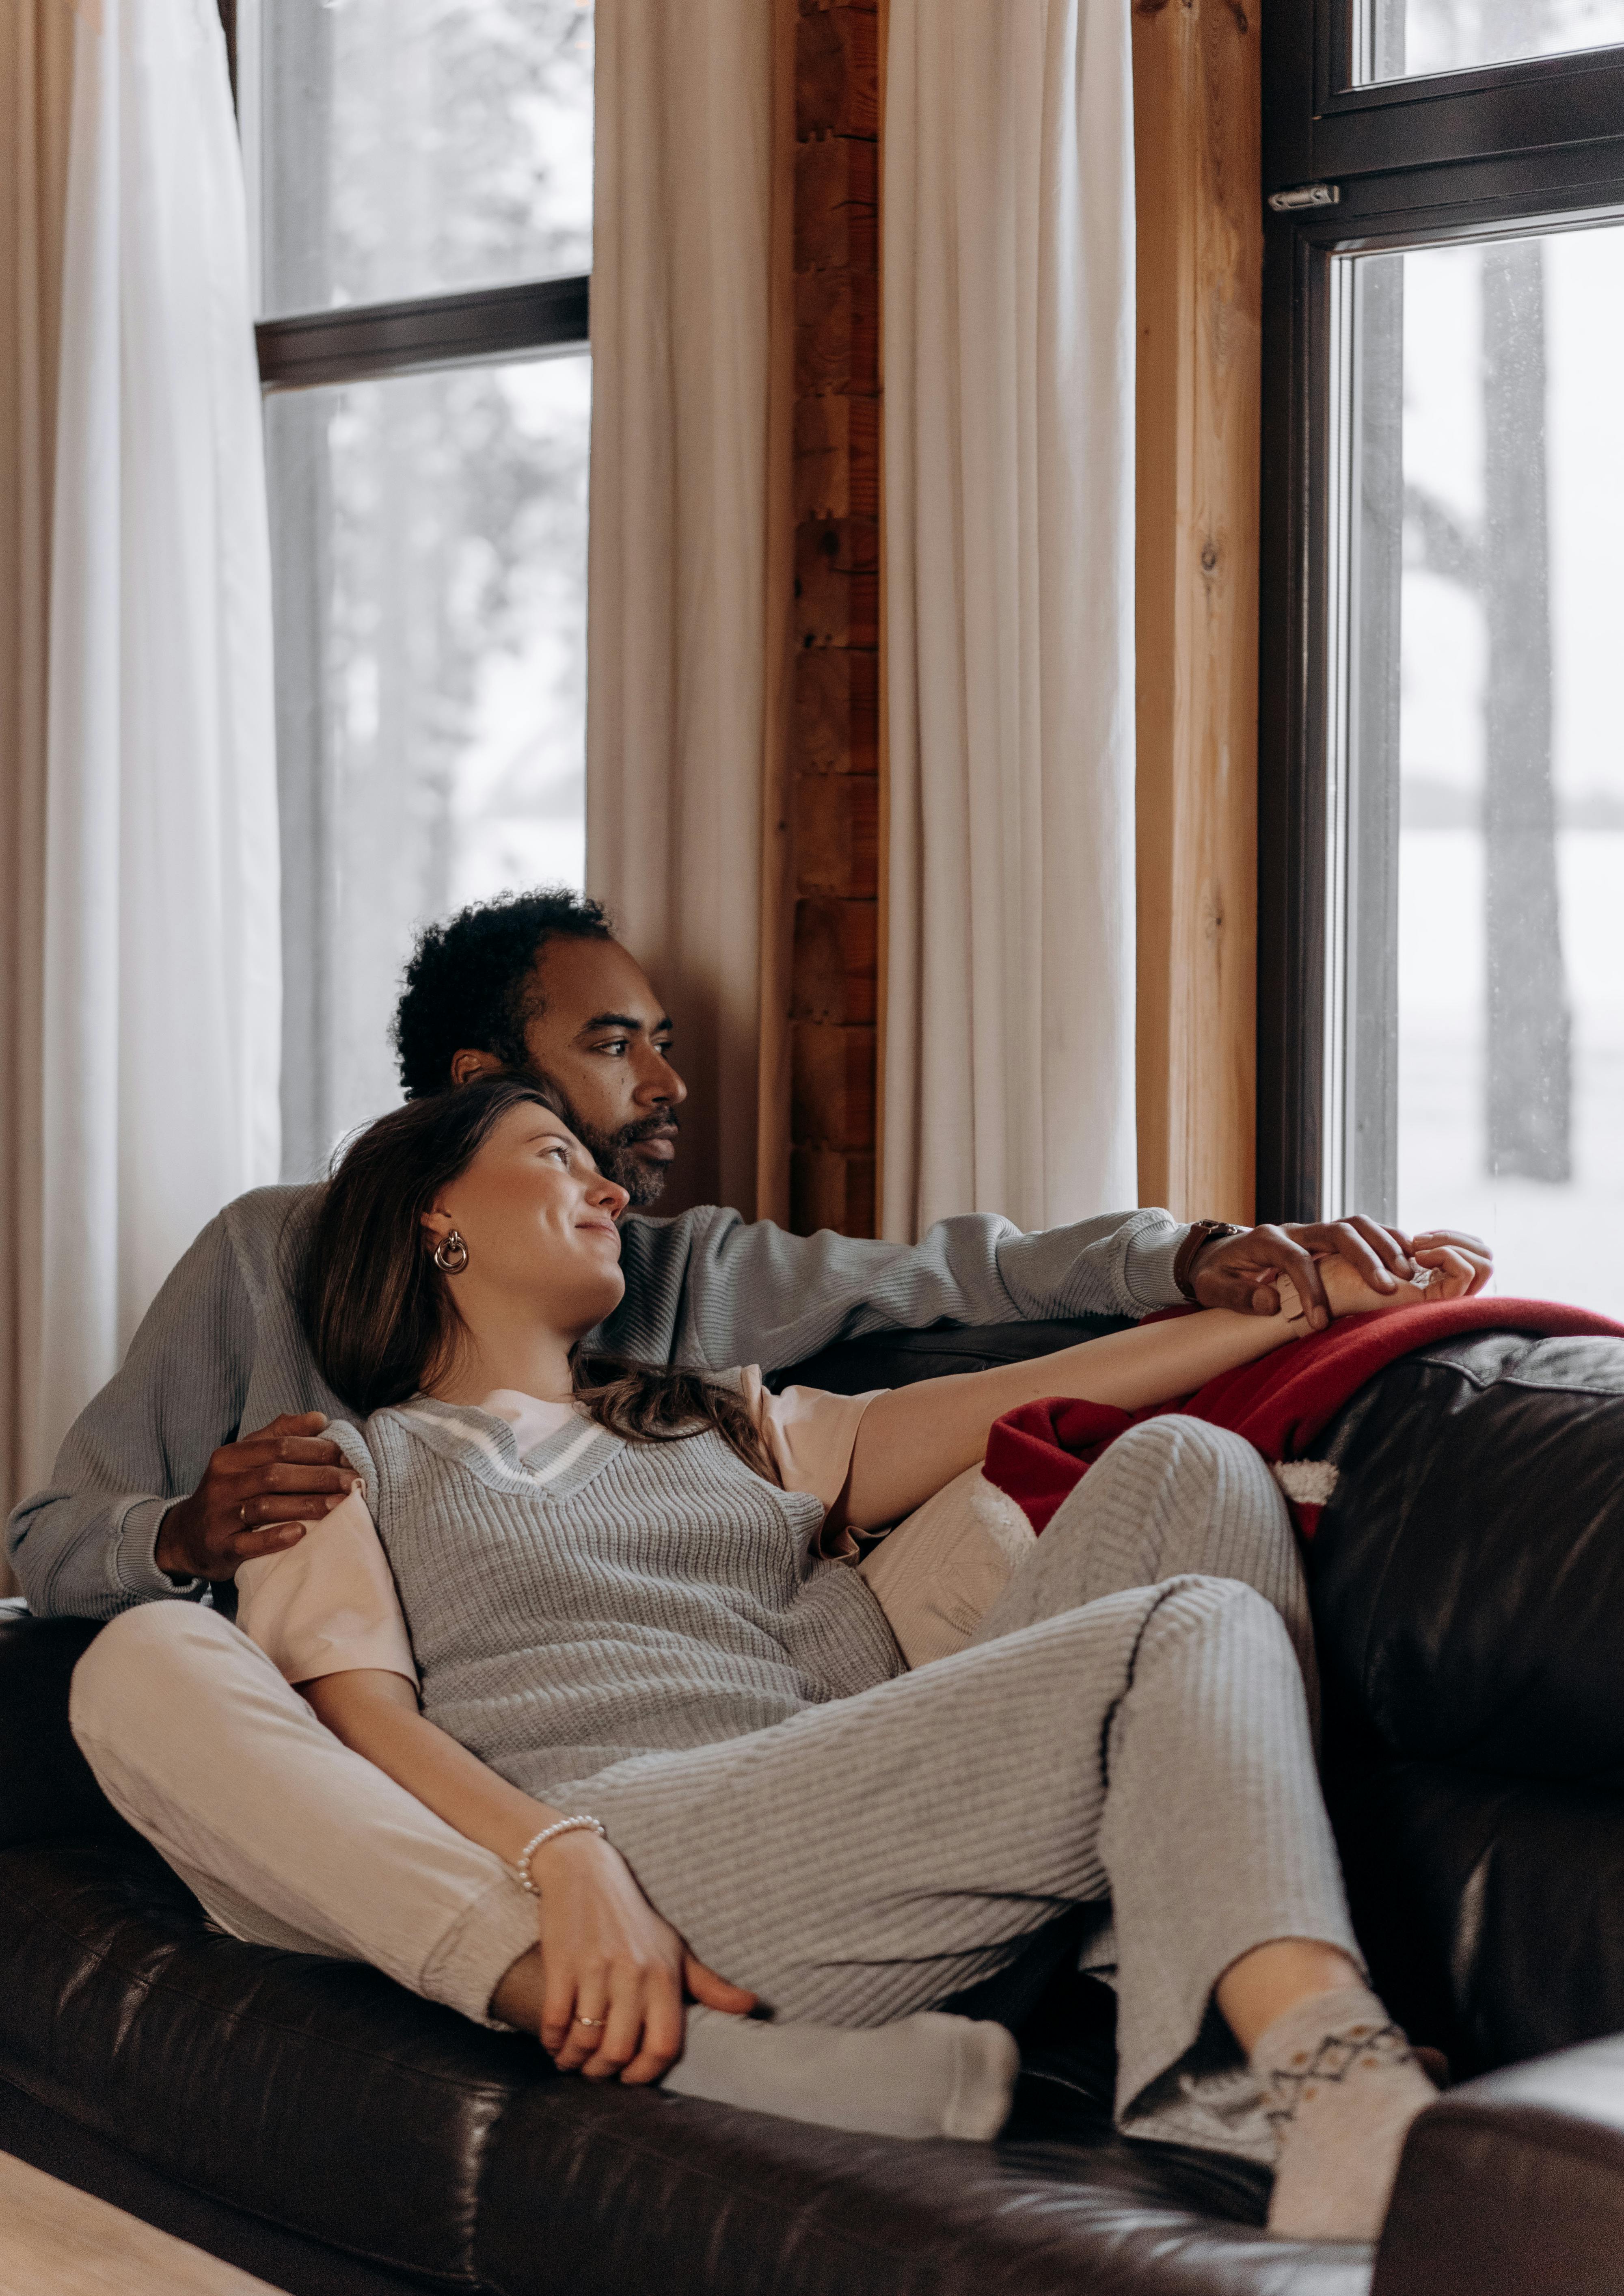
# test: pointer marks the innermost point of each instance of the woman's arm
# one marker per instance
(605, 1953)
(914, 1440)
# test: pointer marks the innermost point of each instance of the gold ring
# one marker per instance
(593, 2022)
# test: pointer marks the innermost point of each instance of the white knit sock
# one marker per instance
(1343, 2086)
(928, 2075)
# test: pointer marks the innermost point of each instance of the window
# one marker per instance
(1441, 980)
(421, 173)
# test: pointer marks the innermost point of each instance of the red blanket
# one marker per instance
(1039, 1454)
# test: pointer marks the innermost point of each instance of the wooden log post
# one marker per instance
(1197, 97)
(836, 701)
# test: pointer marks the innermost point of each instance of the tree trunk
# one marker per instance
(1529, 1083)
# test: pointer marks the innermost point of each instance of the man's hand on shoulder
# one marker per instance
(1244, 1271)
(254, 1498)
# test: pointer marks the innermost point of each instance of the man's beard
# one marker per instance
(611, 1152)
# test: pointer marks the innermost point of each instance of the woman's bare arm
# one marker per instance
(376, 1714)
(605, 1953)
(914, 1440)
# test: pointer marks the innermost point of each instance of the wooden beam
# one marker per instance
(1197, 129)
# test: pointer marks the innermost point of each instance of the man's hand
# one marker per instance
(254, 1497)
(1244, 1271)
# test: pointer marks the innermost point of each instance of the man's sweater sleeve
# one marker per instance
(83, 1546)
(707, 1289)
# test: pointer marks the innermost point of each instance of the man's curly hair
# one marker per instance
(472, 981)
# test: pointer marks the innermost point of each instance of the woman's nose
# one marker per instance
(612, 1196)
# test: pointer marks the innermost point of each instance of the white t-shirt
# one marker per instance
(329, 1605)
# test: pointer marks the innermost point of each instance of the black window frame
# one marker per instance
(1354, 168)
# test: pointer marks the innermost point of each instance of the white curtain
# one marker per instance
(676, 652)
(162, 978)
(1009, 449)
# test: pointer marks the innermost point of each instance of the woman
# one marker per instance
(640, 1674)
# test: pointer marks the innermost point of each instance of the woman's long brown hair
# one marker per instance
(382, 1319)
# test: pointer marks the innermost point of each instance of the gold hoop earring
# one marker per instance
(451, 1254)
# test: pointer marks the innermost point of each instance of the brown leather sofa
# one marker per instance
(314, 2124)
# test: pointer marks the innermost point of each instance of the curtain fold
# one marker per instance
(35, 88)
(1009, 449)
(161, 976)
(677, 664)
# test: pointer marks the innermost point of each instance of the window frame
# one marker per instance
(314, 349)
(1537, 144)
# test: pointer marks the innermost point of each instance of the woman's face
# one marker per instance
(538, 1220)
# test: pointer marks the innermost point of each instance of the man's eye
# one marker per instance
(616, 1045)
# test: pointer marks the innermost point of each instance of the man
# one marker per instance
(156, 1492)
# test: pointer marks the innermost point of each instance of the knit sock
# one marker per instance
(1343, 2087)
(928, 2075)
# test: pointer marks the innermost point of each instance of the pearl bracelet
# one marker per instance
(521, 1864)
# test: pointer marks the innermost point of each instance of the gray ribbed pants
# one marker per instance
(1128, 1724)
(1129, 1728)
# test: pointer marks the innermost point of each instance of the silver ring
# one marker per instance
(594, 2023)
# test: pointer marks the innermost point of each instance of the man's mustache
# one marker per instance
(649, 1128)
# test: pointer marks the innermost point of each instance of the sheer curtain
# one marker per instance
(677, 662)
(1009, 448)
(161, 982)
(35, 83)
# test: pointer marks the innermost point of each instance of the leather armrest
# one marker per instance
(46, 1784)
(1515, 2183)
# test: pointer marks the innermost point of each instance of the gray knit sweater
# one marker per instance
(597, 1599)
(221, 1352)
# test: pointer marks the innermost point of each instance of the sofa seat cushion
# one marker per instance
(312, 2092)
(319, 2096)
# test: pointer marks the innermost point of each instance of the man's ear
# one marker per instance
(467, 1064)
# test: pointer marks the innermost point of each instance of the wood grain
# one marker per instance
(1197, 89)
(55, 2240)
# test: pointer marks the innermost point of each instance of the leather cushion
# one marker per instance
(1516, 2183)
(321, 2097)
(1468, 1572)
(312, 2092)
(47, 1787)
(1491, 1909)
(899, 1359)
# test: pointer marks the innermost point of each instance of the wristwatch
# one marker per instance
(1202, 1233)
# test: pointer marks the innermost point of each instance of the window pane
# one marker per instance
(1409, 38)
(1502, 1024)
(409, 147)
(429, 540)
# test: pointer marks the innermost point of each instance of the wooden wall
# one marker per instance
(1197, 97)
(1197, 137)
(835, 696)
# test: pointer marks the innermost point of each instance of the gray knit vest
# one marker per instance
(597, 1599)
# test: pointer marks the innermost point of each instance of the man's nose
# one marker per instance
(660, 1084)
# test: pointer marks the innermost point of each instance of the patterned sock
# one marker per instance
(928, 2075)
(1342, 2087)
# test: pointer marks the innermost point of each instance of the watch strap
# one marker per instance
(1202, 1232)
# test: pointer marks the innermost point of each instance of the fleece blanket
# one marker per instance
(1037, 1455)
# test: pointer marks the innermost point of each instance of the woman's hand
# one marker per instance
(607, 1956)
(1457, 1267)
